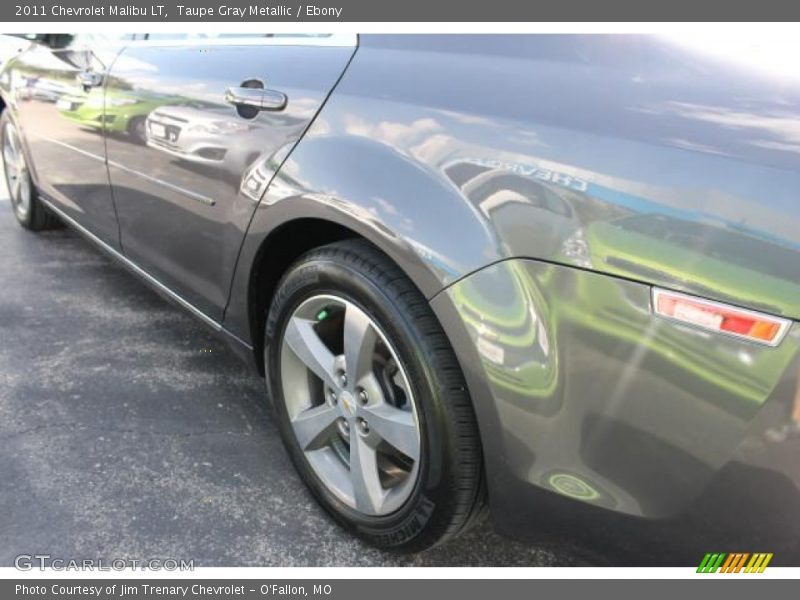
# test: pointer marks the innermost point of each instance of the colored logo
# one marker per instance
(737, 562)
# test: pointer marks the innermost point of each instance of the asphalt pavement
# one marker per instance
(129, 431)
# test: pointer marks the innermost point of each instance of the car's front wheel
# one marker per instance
(370, 400)
(30, 213)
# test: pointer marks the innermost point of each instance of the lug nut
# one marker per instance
(363, 427)
(344, 424)
(333, 398)
(343, 379)
(363, 398)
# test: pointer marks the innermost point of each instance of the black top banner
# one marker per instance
(398, 11)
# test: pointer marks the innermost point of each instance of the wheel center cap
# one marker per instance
(348, 403)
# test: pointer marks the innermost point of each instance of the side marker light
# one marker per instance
(722, 318)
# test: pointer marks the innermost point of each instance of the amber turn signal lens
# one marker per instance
(723, 318)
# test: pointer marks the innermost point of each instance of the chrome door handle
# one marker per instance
(89, 79)
(257, 98)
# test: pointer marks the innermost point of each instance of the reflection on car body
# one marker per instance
(429, 226)
(198, 135)
(207, 136)
(115, 111)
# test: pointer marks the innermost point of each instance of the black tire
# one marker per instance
(449, 493)
(137, 131)
(36, 216)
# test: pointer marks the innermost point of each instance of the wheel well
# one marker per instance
(278, 252)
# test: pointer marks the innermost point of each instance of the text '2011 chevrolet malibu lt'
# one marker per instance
(555, 276)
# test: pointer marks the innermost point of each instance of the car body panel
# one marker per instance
(615, 125)
(456, 162)
(113, 111)
(593, 411)
(67, 157)
(694, 393)
(535, 189)
(183, 221)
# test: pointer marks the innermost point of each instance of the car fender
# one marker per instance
(416, 218)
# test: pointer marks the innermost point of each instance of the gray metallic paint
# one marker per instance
(69, 161)
(449, 159)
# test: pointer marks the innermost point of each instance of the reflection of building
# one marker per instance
(527, 206)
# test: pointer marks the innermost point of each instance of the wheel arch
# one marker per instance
(281, 248)
(339, 187)
(287, 242)
(275, 256)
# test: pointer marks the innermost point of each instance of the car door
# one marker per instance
(212, 112)
(58, 90)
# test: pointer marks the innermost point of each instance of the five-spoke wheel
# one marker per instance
(370, 400)
(16, 172)
(350, 404)
(28, 209)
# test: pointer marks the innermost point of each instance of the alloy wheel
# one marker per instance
(350, 404)
(16, 172)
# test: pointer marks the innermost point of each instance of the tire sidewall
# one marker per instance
(320, 276)
(27, 219)
(138, 136)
